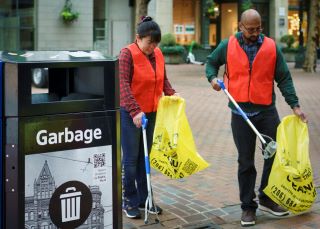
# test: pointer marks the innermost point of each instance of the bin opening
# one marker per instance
(67, 84)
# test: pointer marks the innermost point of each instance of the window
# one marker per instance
(17, 25)
(294, 25)
(229, 19)
(31, 215)
(178, 29)
(189, 29)
(44, 225)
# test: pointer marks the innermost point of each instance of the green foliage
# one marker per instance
(209, 8)
(67, 13)
(176, 49)
(168, 40)
(193, 45)
(288, 39)
(168, 45)
(290, 50)
(246, 4)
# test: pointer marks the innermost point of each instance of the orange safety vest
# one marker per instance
(147, 84)
(255, 86)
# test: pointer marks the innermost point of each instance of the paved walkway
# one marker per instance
(209, 199)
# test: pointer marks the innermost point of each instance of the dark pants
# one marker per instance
(266, 122)
(134, 173)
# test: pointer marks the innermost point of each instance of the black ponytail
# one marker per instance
(148, 27)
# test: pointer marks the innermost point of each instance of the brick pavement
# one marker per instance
(209, 199)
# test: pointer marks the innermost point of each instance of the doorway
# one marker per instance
(229, 19)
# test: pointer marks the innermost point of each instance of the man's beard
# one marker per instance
(253, 38)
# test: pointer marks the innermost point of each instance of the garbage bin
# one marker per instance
(1, 153)
(61, 144)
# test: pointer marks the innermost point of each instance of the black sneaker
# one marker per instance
(152, 210)
(132, 213)
(272, 207)
(248, 218)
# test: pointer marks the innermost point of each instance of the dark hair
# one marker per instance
(148, 27)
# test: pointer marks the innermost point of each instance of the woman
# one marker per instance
(143, 80)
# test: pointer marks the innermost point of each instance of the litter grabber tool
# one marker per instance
(149, 205)
(269, 148)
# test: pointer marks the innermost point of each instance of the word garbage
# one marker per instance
(87, 136)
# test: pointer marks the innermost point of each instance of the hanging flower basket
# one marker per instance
(211, 9)
(67, 14)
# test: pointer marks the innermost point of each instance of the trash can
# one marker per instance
(61, 144)
(1, 153)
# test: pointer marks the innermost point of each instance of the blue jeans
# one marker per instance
(266, 123)
(134, 179)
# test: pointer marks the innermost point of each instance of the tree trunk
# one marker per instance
(313, 36)
(141, 10)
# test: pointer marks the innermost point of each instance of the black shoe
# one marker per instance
(272, 207)
(132, 213)
(248, 218)
(154, 210)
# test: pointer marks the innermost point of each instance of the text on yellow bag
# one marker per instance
(173, 150)
(291, 181)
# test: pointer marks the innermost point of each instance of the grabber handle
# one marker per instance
(245, 117)
(221, 84)
(144, 121)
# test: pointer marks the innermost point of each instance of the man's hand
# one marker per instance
(215, 85)
(137, 120)
(297, 111)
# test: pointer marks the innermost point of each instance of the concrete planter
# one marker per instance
(201, 54)
(173, 58)
(289, 56)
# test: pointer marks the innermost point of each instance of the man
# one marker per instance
(252, 64)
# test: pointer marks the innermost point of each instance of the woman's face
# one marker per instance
(146, 45)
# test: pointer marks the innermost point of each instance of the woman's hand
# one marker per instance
(137, 120)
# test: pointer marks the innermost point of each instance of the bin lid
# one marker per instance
(52, 56)
(69, 195)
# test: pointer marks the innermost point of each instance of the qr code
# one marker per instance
(189, 167)
(99, 160)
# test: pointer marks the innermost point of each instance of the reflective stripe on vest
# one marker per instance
(255, 87)
(147, 85)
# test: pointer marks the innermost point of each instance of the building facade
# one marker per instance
(208, 24)
(104, 25)
(108, 25)
(37, 206)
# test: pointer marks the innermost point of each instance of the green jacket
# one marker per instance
(282, 77)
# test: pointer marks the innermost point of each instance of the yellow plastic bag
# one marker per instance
(291, 181)
(173, 150)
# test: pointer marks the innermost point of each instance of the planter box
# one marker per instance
(173, 58)
(289, 56)
(201, 54)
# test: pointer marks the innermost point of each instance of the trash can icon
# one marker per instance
(70, 205)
